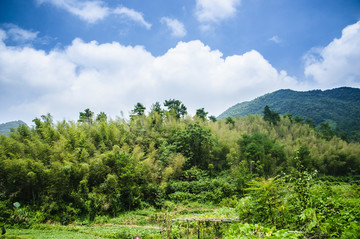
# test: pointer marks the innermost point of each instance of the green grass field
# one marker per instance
(81, 232)
(144, 223)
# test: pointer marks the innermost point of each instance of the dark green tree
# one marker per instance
(139, 109)
(262, 155)
(176, 107)
(326, 131)
(212, 118)
(230, 120)
(157, 108)
(310, 122)
(298, 119)
(86, 116)
(201, 114)
(271, 116)
(195, 143)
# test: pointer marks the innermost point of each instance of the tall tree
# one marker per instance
(201, 114)
(139, 109)
(157, 108)
(230, 120)
(271, 116)
(176, 107)
(326, 131)
(196, 143)
(212, 118)
(86, 116)
(101, 117)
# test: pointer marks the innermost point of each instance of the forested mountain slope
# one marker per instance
(340, 107)
(5, 127)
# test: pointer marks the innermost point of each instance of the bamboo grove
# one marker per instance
(60, 171)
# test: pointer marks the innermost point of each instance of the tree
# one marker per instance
(262, 155)
(157, 108)
(176, 107)
(201, 114)
(195, 143)
(230, 120)
(86, 116)
(212, 118)
(139, 109)
(267, 195)
(298, 119)
(326, 131)
(310, 122)
(271, 116)
(101, 117)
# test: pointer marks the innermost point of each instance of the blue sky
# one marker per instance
(62, 56)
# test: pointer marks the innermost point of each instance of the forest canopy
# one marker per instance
(100, 166)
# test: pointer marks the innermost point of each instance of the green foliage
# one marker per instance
(271, 116)
(105, 170)
(176, 108)
(261, 155)
(157, 108)
(86, 116)
(340, 105)
(212, 118)
(201, 114)
(195, 143)
(256, 231)
(230, 121)
(101, 117)
(139, 109)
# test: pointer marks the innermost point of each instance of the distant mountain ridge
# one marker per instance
(5, 127)
(340, 107)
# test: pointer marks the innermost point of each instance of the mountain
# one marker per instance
(5, 127)
(339, 107)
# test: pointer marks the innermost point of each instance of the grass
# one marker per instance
(144, 223)
(46, 234)
(82, 232)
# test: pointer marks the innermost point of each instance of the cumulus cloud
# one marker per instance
(209, 11)
(133, 15)
(112, 78)
(176, 27)
(94, 10)
(338, 63)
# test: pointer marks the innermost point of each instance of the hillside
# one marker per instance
(5, 127)
(340, 107)
(95, 170)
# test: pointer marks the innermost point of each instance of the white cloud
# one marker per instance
(94, 10)
(338, 63)
(112, 78)
(176, 27)
(275, 39)
(20, 35)
(214, 10)
(3, 35)
(133, 15)
(90, 11)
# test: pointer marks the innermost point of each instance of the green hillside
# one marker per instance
(165, 164)
(340, 107)
(5, 127)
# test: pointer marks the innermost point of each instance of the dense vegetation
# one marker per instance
(339, 107)
(274, 171)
